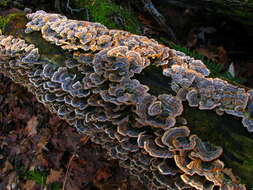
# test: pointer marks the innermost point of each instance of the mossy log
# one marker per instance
(226, 131)
(238, 10)
(108, 13)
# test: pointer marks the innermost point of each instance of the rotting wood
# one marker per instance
(205, 124)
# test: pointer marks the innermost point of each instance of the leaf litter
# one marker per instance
(40, 151)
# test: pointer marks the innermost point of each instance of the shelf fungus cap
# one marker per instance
(155, 108)
(205, 151)
(193, 98)
(156, 151)
(199, 67)
(171, 105)
(248, 123)
(197, 182)
(174, 133)
(184, 143)
(205, 168)
(166, 169)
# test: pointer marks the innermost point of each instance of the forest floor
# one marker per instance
(40, 151)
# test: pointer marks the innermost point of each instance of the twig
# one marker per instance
(66, 175)
(149, 6)
(73, 10)
(78, 10)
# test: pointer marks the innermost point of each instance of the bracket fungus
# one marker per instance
(96, 91)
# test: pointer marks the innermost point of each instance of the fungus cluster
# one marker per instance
(190, 82)
(96, 92)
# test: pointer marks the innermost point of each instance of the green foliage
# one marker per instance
(37, 176)
(107, 12)
(3, 22)
(216, 70)
(55, 186)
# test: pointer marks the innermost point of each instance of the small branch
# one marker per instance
(67, 172)
(78, 10)
(73, 10)
(150, 8)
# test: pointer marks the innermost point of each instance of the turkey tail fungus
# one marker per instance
(89, 76)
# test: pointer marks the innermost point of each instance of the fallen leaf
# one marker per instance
(102, 174)
(71, 184)
(54, 120)
(84, 139)
(31, 126)
(42, 144)
(41, 160)
(222, 55)
(191, 40)
(7, 167)
(54, 176)
(12, 178)
(144, 20)
(18, 113)
(29, 184)
(206, 52)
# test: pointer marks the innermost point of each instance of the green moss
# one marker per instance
(37, 176)
(4, 20)
(242, 13)
(4, 3)
(107, 12)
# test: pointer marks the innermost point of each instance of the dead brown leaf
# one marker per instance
(31, 126)
(102, 174)
(222, 55)
(71, 184)
(144, 20)
(42, 144)
(18, 113)
(191, 40)
(41, 160)
(29, 184)
(7, 167)
(12, 177)
(84, 139)
(206, 52)
(54, 176)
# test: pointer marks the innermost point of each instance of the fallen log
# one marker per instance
(237, 10)
(149, 106)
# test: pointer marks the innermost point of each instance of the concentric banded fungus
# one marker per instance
(172, 134)
(205, 151)
(189, 77)
(95, 92)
